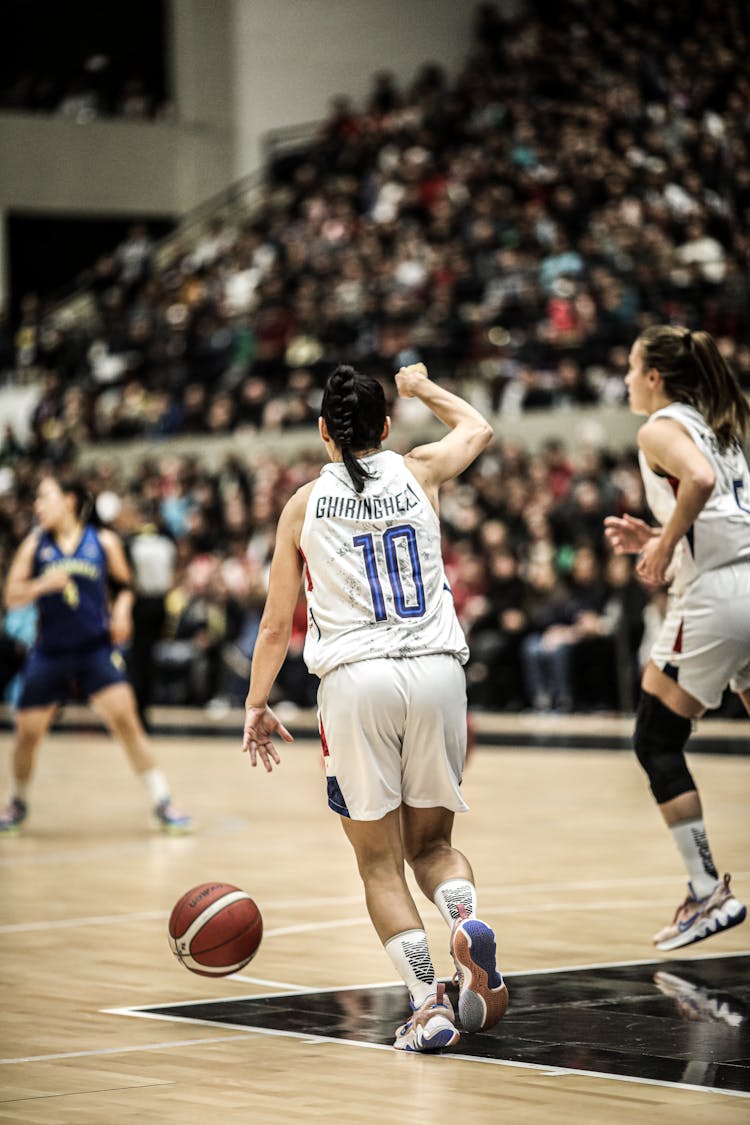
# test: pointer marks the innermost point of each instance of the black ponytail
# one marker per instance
(354, 411)
(84, 499)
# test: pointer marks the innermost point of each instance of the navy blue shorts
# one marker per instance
(56, 678)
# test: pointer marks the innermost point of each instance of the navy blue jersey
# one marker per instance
(77, 618)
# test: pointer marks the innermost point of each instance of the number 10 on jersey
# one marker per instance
(400, 564)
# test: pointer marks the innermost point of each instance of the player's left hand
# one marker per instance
(260, 724)
(653, 564)
(120, 625)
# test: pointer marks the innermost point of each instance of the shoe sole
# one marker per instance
(731, 914)
(446, 1035)
(480, 1006)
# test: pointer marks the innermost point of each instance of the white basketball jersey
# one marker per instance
(374, 575)
(721, 533)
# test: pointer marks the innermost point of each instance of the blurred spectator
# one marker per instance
(152, 554)
(200, 617)
(494, 680)
(563, 654)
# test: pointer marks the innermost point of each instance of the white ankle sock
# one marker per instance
(411, 959)
(156, 785)
(692, 843)
(454, 893)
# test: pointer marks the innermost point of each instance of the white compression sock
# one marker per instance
(156, 784)
(454, 893)
(411, 959)
(692, 843)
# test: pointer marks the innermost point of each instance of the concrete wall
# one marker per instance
(239, 68)
(292, 56)
(107, 167)
(116, 167)
(606, 428)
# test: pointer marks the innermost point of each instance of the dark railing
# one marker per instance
(74, 305)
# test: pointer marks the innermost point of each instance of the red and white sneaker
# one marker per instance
(482, 994)
(431, 1027)
(699, 918)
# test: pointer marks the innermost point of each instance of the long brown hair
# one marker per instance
(70, 483)
(695, 372)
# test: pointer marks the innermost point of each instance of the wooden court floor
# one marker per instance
(573, 868)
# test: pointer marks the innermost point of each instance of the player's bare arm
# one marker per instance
(21, 587)
(470, 433)
(670, 451)
(121, 610)
(273, 635)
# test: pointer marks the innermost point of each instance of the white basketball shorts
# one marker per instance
(704, 642)
(393, 731)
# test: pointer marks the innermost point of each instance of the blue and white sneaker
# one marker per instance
(171, 820)
(482, 994)
(13, 816)
(431, 1027)
(699, 918)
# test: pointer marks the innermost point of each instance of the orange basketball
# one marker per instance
(215, 929)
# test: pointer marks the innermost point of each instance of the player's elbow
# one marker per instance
(703, 481)
(483, 434)
(275, 630)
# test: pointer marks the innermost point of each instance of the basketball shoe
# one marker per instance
(482, 995)
(699, 918)
(14, 816)
(171, 820)
(431, 1027)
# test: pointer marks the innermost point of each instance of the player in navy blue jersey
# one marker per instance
(79, 578)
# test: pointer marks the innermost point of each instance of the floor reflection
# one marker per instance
(670, 1021)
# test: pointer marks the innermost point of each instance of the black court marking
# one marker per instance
(552, 741)
(683, 1023)
(563, 736)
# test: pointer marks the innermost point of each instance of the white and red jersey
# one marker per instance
(374, 575)
(721, 533)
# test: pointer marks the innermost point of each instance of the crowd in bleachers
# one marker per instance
(84, 62)
(89, 96)
(587, 173)
(552, 621)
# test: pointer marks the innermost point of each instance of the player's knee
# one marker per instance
(420, 852)
(659, 743)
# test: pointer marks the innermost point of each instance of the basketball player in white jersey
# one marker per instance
(384, 638)
(697, 485)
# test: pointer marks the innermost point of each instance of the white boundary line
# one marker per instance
(143, 1012)
(546, 1069)
(301, 990)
